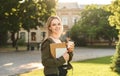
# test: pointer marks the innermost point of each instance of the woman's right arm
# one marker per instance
(47, 59)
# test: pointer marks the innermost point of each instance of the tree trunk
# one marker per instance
(110, 42)
(14, 39)
(28, 44)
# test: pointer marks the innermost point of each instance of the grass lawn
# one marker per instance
(91, 67)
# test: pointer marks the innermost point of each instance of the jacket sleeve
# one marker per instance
(47, 59)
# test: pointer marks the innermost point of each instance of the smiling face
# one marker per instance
(54, 26)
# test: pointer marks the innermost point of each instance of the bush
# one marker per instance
(115, 66)
(79, 41)
(21, 42)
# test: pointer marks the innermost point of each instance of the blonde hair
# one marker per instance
(48, 23)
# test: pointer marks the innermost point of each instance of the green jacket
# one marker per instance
(50, 63)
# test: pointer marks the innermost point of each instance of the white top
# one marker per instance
(56, 40)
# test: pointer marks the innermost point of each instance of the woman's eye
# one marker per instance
(59, 24)
(54, 24)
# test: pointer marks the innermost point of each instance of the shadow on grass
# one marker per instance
(101, 60)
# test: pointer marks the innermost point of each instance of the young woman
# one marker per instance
(55, 66)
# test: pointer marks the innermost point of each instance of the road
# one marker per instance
(12, 63)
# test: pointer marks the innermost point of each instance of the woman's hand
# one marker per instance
(70, 46)
(66, 56)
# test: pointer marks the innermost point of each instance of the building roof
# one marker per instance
(70, 5)
(81, 6)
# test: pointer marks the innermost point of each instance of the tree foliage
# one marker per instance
(35, 12)
(27, 14)
(94, 25)
(114, 20)
(7, 17)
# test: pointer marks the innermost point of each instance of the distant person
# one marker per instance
(55, 66)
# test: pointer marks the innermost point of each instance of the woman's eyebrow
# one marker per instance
(56, 23)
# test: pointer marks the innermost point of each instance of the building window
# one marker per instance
(22, 35)
(65, 20)
(74, 20)
(33, 36)
(43, 34)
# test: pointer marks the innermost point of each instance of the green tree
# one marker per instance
(25, 14)
(106, 31)
(3, 30)
(75, 34)
(34, 13)
(94, 25)
(8, 14)
(114, 21)
(11, 14)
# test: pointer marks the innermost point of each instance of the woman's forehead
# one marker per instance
(55, 21)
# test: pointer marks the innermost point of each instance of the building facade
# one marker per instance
(69, 14)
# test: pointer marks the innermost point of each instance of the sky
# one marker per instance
(88, 1)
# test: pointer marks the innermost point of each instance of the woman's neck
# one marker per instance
(55, 38)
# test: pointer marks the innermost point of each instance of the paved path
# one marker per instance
(19, 62)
